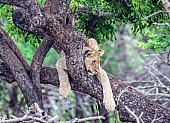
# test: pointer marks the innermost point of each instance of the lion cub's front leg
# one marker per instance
(108, 99)
(64, 89)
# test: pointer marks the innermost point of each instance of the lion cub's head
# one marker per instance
(92, 60)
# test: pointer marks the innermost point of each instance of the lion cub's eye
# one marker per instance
(94, 61)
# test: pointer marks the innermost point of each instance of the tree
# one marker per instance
(53, 23)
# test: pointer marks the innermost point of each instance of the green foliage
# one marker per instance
(156, 38)
(41, 2)
(12, 30)
(28, 52)
(132, 12)
(105, 27)
(51, 58)
(117, 117)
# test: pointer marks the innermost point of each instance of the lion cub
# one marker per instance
(92, 64)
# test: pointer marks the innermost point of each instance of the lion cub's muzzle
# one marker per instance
(93, 72)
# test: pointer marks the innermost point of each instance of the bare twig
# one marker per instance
(155, 13)
(147, 87)
(76, 120)
(95, 15)
(155, 76)
(55, 118)
(98, 13)
(34, 113)
(160, 73)
(162, 24)
(24, 118)
(155, 117)
(134, 115)
(165, 61)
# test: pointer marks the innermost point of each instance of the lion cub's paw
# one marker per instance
(109, 104)
(64, 91)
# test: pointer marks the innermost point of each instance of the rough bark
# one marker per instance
(15, 49)
(18, 71)
(36, 65)
(131, 98)
(47, 21)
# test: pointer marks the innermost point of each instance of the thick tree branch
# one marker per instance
(5, 72)
(18, 71)
(124, 95)
(37, 64)
(58, 6)
(31, 12)
(91, 24)
(31, 6)
(54, 6)
(18, 3)
(71, 43)
(15, 49)
(24, 21)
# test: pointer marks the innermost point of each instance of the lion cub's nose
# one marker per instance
(88, 71)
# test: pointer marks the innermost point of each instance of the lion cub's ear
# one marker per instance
(101, 52)
(89, 53)
(90, 41)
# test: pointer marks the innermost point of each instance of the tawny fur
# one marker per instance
(92, 43)
(92, 63)
(64, 89)
(108, 99)
(101, 74)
